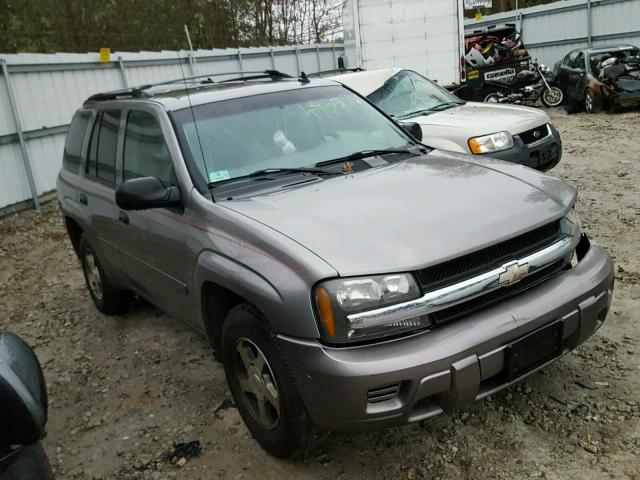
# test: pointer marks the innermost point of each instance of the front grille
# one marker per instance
(382, 394)
(535, 134)
(481, 261)
(462, 309)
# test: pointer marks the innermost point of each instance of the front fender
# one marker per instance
(286, 303)
(442, 143)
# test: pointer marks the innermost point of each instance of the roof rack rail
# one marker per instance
(334, 71)
(139, 91)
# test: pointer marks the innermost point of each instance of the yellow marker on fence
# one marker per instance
(478, 16)
(105, 55)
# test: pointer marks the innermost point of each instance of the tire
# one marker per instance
(591, 102)
(106, 298)
(493, 97)
(552, 97)
(285, 429)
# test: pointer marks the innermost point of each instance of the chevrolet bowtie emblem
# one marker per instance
(512, 273)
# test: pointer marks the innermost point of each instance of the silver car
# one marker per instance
(347, 275)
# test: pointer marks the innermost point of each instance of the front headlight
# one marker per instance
(572, 226)
(337, 300)
(494, 142)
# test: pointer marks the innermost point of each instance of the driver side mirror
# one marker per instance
(146, 192)
(414, 129)
(23, 393)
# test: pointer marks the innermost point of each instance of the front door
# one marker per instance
(154, 250)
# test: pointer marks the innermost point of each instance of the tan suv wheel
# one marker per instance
(262, 387)
(108, 300)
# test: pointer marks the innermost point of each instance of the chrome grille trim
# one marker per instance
(463, 291)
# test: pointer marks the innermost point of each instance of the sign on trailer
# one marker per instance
(471, 4)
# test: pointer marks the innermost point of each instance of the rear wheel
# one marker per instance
(494, 97)
(107, 299)
(261, 385)
(552, 97)
(591, 103)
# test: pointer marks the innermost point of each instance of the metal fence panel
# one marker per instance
(48, 88)
(13, 181)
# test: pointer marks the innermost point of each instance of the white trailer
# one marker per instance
(423, 35)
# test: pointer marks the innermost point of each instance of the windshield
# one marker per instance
(289, 129)
(408, 93)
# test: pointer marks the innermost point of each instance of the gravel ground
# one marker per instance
(122, 390)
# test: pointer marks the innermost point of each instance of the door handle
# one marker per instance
(83, 199)
(123, 217)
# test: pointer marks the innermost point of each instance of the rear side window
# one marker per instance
(145, 151)
(72, 158)
(101, 158)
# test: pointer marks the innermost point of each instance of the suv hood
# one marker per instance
(411, 214)
(475, 119)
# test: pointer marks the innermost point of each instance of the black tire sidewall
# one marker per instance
(595, 102)
(83, 249)
(288, 437)
(113, 301)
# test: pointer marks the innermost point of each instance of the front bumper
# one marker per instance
(541, 155)
(628, 99)
(452, 364)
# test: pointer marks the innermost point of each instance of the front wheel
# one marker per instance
(262, 386)
(552, 97)
(591, 103)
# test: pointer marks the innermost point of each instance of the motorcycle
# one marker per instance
(527, 86)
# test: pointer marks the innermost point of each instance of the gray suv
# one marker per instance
(345, 274)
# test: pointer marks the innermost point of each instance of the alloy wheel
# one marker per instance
(92, 273)
(553, 96)
(588, 101)
(257, 383)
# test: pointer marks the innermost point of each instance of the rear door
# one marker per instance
(96, 192)
(154, 246)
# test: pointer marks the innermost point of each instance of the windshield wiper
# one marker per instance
(363, 154)
(266, 171)
(446, 105)
(427, 111)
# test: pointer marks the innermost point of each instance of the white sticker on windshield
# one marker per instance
(219, 175)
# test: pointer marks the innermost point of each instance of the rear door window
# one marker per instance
(145, 152)
(101, 157)
(72, 158)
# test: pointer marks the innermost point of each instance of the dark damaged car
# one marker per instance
(603, 78)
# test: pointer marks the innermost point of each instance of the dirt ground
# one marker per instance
(122, 390)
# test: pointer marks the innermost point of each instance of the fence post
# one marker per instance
(240, 64)
(589, 23)
(123, 73)
(192, 62)
(23, 146)
(273, 59)
(318, 58)
(298, 60)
